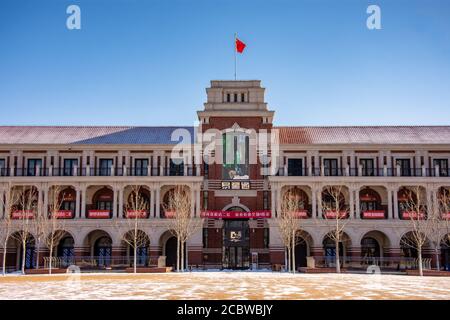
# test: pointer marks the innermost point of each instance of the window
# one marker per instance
(105, 167)
(368, 205)
(330, 167)
(68, 205)
(140, 167)
(104, 205)
(33, 165)
(295, 167)
(69, 164)
(235, 97)
(176, 167)
(443, 166)
(228, 97)
(405, 166)
(368, 168)
(206, 170)
(235, 155)
(2, 167)
(242, 97)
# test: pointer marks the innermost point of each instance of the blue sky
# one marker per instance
(142, 62)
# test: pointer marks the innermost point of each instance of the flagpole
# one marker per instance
(235, 57)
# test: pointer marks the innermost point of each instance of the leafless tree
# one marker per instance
(136, 209)
(443, 202)
(26, 213)
(9, 202)
(436, 219)
(182, 223)
(336, 211)
(416, 211)
(52, 223)
(289, 223)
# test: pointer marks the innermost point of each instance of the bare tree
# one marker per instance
(436, 219)
(289, 223)
(182, 223)
(26, 212)
(9, 202)
(335, 211)
(136, 208)
(52, 223)
(415, 210)
(443, 202)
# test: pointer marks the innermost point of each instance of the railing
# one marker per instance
(400, 263)
(97, 262)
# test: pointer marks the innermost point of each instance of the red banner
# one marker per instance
(22, 214)
(446, 216)
(331, 214)
(301, 214)
(64, 214)
(137, 214)
(98, 214)
(373, 214)
(413, 215)
(216, 214)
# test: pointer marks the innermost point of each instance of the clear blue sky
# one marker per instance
(142, 62)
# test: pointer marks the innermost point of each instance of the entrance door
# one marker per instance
(102, 250)
(300, 254)
(236, 250)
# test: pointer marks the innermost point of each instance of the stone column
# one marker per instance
(2, 195)
(152, 201)
(314, 203)
(83, 201)
(77, 203)
(389, 195)
(197, 203)
(158, 201)
(192, 201)
(120, 210)
(352, 202)
(114, 213)
(273, 203)
(278, 200)
(319, 203)
(395, 191)
(357, 204)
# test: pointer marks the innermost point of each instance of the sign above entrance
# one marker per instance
(235, 185)
(217, 214)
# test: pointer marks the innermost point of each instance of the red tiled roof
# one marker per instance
(365, 135)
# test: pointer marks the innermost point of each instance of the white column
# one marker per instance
(77, 203)
(357, 204)
(197, 203)
(83, 201)
(152, 201)
(114, 213)
(192, 201)
(273, 203)
(390, 212)
(120, 210)
(319, 203)
(45, 204)
(162, 164)
(2, 195)
(352, 203)
(278, 200)
(395, 191)
(158, 201)
(314, 203)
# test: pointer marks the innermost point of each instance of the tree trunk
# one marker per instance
(4, 256)
(186, 256)
(50, 261)
(338, 258)
(286, 257)
(24, 249)
(37, 254)
(438, 263)
(293, 252)
(288, 266)
(178, 254)
(135, 259)
(182, 256)
(419, 253)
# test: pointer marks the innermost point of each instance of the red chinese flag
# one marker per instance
(239, 46)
